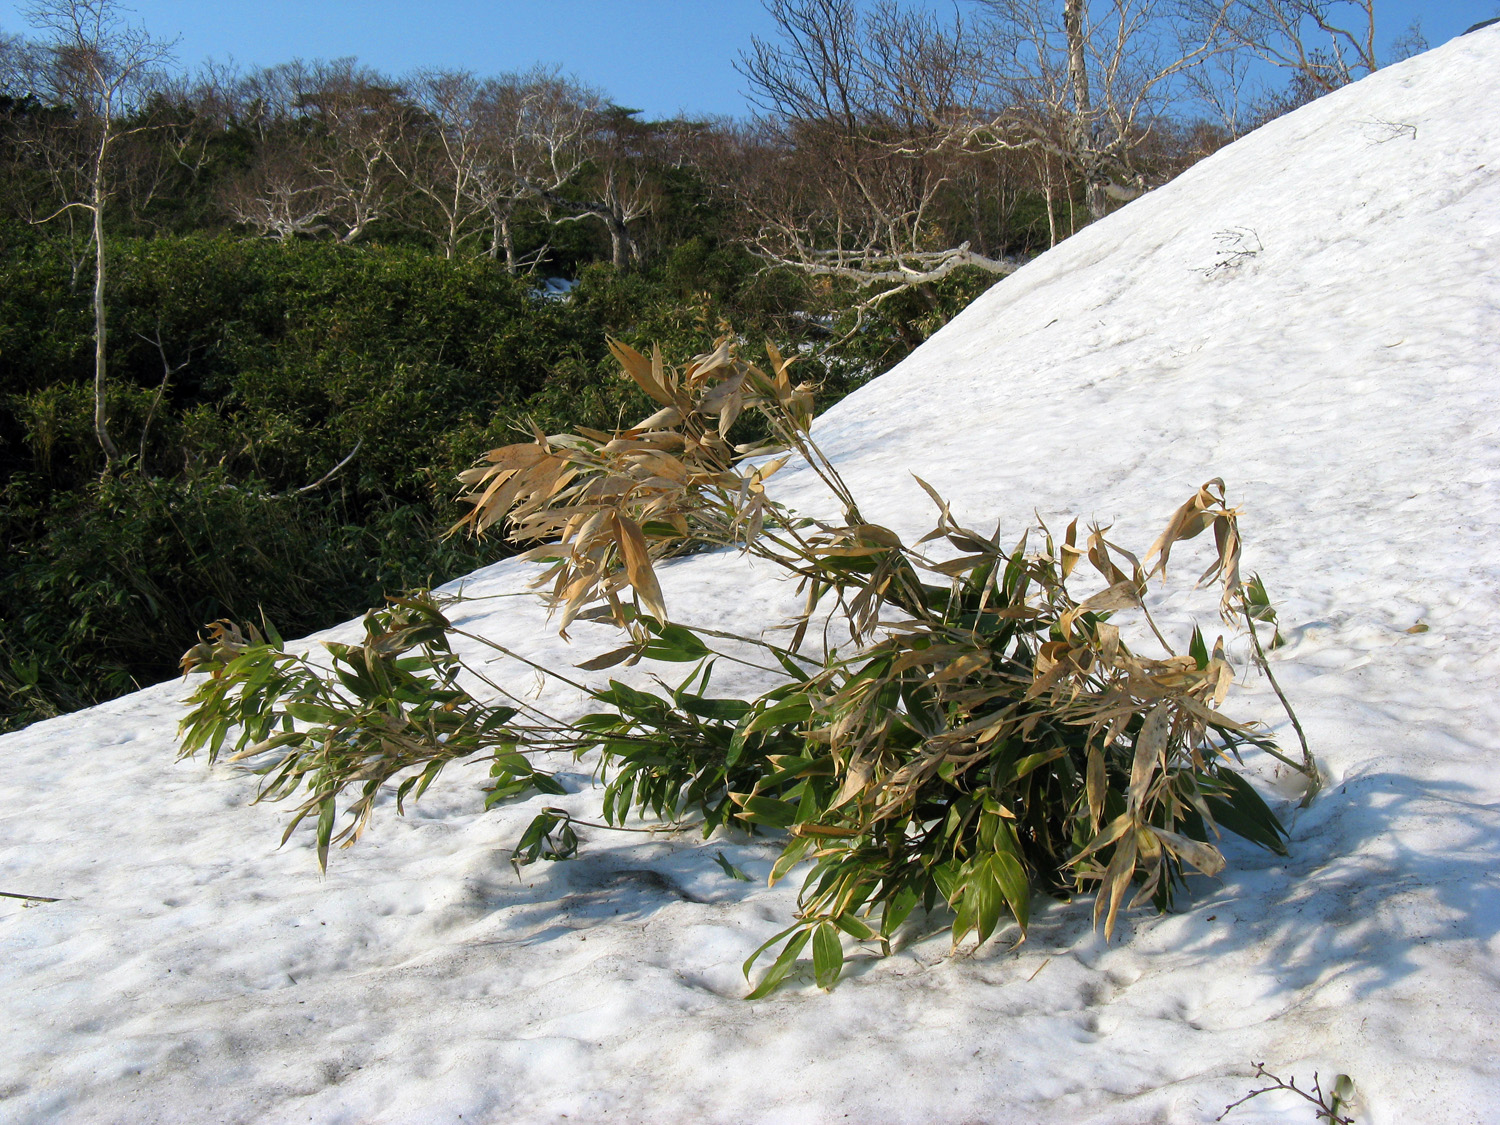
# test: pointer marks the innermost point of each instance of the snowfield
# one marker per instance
(1312, 314)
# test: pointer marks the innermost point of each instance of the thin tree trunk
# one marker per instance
(450, 250)
(1078, 75)
(1051, 205)
(509, 242)
(101, 406)
(1081, 128)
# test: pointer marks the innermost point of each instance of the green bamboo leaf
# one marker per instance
(898, 908)
(546, 783)
(854, 926)
(790, 856)
(765, 945)
(1033, 761)
(828, 955)
(1010, 875)
(673, 642)
(722, 710)
(428, 776)
(737, 741)
(493, 797)
(326, 812)
(1198, 650)
(541, 825)
(508, 762)
(990, 901)
(948, 878)
(783, 965)
(792, 668)
(495, 717)
(730, 869)
(796, 709)
(769, 811)
(1242, 811)
(311, 713)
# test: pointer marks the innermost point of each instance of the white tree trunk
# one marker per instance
(101, 405)
(1081, 128)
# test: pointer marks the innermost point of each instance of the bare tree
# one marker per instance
(616, 186)
(537, 140)
(22, 118)
(866, 113)
(1324, 43)
(281, 195)
(1091, 82)
(889, 119)
(102, 71)
(445, 157)
(363, 118)
(481, 150)
(1225, 93)
(327, 135)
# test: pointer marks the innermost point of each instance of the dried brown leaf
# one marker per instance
(1149, 747)
(638, 569)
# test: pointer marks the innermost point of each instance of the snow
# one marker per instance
(555, 288)
(1340, 373)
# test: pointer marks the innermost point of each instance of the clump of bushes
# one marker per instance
(241, 372)
(985, 735)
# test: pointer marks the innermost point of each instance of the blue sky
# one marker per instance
(660, 56)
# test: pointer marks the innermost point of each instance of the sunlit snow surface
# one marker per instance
(1342, 377)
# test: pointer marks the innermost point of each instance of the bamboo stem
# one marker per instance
(1309, 766)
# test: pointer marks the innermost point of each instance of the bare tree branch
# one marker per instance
(329, 475)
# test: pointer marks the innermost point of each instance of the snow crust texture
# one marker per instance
(1312, 314)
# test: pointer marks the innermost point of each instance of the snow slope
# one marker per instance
(1334, 358)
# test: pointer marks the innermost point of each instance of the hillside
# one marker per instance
(1312, 314)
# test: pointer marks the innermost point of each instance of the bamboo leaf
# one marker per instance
(1149, 746)
(638, 569)
(730, 869)
(638, 367)
(782, 966)
(326, 812)
(828, 955)
(610, 659)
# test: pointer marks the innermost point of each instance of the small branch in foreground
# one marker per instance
(1330, 1106)
(28, 898)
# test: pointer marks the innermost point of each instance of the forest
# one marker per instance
(253, 324)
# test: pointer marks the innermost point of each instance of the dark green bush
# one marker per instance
(258, 366)
(99, 597)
